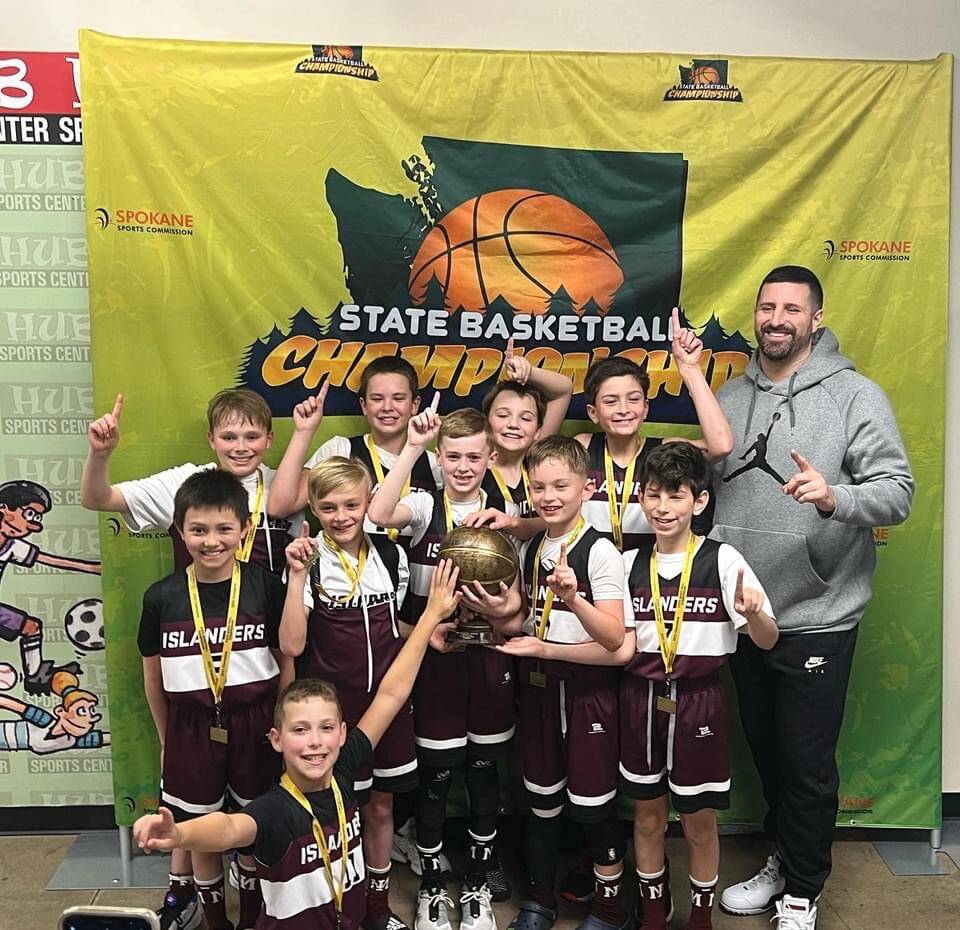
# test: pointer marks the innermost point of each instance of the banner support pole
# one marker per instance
(936, 838)
(126, 866)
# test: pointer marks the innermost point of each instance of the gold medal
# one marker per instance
(669, 646)
(353, 574)
(667, 705)
(246, 547)
(538, 679)
(336, 888)
(216, 678)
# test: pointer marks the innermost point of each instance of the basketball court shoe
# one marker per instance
(476, 908)
(796, 914)
(757, 894)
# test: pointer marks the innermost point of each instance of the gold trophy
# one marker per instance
(483, 555)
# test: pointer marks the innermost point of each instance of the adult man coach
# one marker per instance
(818, 462)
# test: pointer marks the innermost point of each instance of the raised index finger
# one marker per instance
(509, 353)
(322, 393)
(436, 401)
(739, 591)
(675, 317)
(117, 406)
(563, 555)
(801, 462)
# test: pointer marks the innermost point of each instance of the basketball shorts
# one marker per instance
(464, 699)
(569, 741)
(201, 776)
(394, 767)
(683, 753)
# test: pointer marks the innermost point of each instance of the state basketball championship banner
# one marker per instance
(270, 216)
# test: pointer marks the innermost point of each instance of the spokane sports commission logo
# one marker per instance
(705, 79)
(345, 60)
(868, 250)
(146, 221)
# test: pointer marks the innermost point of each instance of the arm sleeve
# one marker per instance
(882, 485)
(421, 511)
(275, 593)
(148, 638)
(356, 754)
(335, 445)
(24, 553)
(403, 577)
(606, 571)
(729, 563)
(150, 500)
(38, 716)
(629, 617)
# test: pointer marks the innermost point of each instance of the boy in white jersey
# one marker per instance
(688, 598)
(389, 396)
(574, 637)
(304, 832)
(463, 701)
(240, 433)
(615, 391)
(341, 621)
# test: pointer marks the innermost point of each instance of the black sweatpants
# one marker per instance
(791, 704)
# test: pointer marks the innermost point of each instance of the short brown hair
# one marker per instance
(334, 474)
(389, 365)
(302, 690)
(240, 403)
(465, 422)
(521, 390)
(615, 367)
(563, 449)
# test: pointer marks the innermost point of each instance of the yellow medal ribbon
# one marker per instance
(246, 547)
(380, 475)
(337, 888)
(668, 647)
(216, 679)
(541, 625)
(504, 488)
(353, 574)
(448, 507)
(618, 508)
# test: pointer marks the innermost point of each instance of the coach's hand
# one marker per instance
(308, 414)
(808, 486)
(104, 433)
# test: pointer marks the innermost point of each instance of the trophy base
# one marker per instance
(474, 637)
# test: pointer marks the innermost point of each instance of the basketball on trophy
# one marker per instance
(483, 555)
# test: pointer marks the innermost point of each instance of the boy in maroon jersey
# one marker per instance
(305, 832)
(211, 668)
(688, 598)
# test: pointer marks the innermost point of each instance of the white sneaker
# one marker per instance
(757, 894)
(433, 907)
(405, 849)
(796, 914)
(476, 909)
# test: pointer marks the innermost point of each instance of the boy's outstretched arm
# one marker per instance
(385, 507)
(398, 682)
(687, 348)
(103, 435)
(581, 653)
(293, 621)
(210, 833)
(288, 491)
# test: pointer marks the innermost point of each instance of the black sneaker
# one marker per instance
(497, 882)
(177, 914)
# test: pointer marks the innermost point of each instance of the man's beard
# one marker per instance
(787, 349)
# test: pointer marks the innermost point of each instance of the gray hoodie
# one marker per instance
(816, 570)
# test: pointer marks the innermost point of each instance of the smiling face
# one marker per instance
(388, 405)
(17, 522)
(513, 419)
(785, 320)
(212, 536)
(463, 462)
(620, 407)
(240, 445)
(310, 739)
(558, 493)
(670, 513)
(79, 718)
(341, 513)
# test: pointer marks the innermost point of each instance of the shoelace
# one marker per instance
(768, 874)
(479, 895)
(434, 902)
(787, 921)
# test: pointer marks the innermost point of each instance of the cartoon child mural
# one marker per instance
(22, 508)
(70, 726)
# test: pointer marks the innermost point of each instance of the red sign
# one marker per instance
(40, 82)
